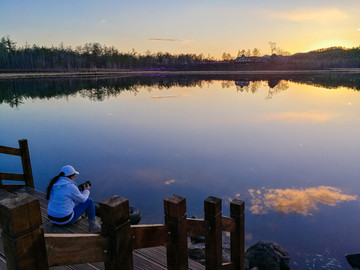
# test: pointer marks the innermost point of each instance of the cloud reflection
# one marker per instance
(291, 117)
(177, 96)
(168, 182)
(301, 201)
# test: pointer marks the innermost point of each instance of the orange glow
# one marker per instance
(291, 117)
(301, 201)
(321, 16)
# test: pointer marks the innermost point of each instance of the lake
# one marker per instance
(288, 145)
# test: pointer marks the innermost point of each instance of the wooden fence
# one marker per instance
(26, 178)
(27, 247)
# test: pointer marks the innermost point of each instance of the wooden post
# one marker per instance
(115, 215)
(26, 164)
(237, 238)
(23, 239)
(175, 219)
(213, 241)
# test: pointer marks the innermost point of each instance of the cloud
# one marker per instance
(300, 201)
(168, 182)
(302, 15)
(169, 40)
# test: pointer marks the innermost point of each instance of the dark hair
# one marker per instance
(52, 182)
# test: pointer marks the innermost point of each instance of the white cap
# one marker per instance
(68, 170)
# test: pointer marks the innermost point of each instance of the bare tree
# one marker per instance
(273, 46)
(256, 52)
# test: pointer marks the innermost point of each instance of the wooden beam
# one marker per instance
(26, 164)
(228, 224)
(213, 241)
(23, 239)
(10, 151)
(144, 236)
(237, 237)
(196, 227)
(175, 219)
(20, 214)
(12, 176)
(115, 215)
(11, 187)
(63, 249)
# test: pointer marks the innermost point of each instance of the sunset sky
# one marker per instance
(187, 26)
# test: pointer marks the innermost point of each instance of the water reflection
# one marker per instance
(300, 201)
(292, 117)
(14, 92)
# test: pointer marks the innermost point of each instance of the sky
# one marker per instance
(210, 27)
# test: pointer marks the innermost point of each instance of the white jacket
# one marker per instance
(64, 196)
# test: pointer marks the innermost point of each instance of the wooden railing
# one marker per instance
(17, 180)
(27, 247)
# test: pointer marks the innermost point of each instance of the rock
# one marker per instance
(267, 256)
(197, 251)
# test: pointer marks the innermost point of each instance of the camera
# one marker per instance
(82, 186)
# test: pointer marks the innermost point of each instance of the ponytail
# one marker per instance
(52, 182)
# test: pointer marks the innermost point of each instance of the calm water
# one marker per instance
(290, 149)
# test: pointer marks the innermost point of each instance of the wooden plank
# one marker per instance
(196, 227)
(10, 188)
(228, 266)
(10, 150)
(63, 249)
(228, 224)
(143, 262)
(158, 254)
(144, 236)
(12, 176)
(26, 163)
(2, 263)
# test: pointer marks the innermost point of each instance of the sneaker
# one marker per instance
(94, 226)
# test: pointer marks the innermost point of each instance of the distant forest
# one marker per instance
(94, 56)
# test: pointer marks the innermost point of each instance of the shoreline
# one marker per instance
(17, 75)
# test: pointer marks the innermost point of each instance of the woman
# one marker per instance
(67, 203)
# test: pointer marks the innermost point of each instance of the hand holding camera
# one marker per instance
(84, 186)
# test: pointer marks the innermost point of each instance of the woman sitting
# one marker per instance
(67, 203)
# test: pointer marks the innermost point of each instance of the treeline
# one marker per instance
(93, 56)
(89, 56)
(334, 57)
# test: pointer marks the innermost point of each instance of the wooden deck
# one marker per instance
(147, 258)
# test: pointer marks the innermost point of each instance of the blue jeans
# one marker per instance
(88, 206)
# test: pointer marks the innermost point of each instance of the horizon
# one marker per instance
(209, 28)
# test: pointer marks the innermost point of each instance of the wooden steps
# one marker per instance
(144, 259)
